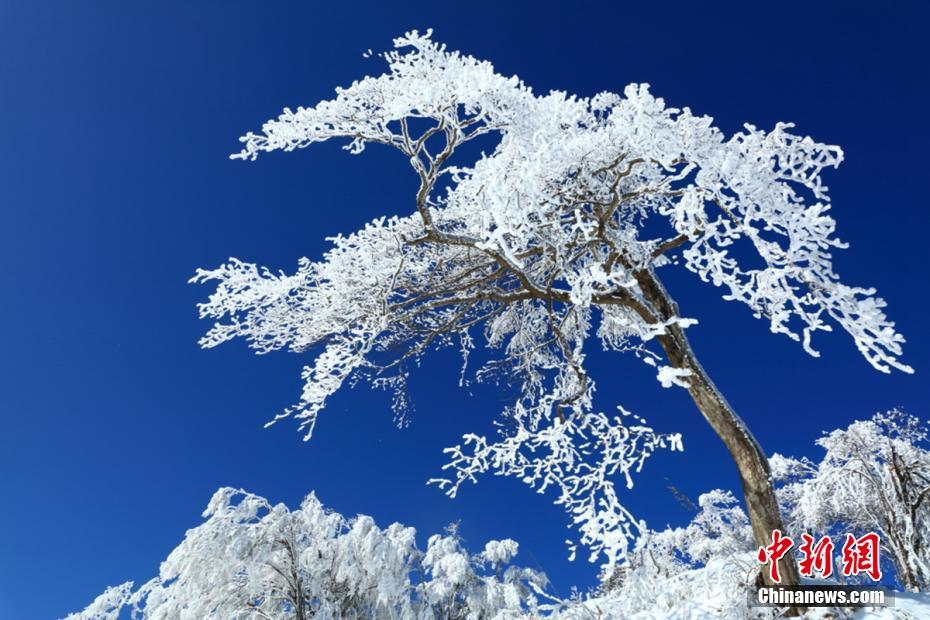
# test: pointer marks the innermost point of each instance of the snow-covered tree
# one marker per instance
(251, 560)
(874, 477)
(552, 239)
(254, 560)
(702, 570)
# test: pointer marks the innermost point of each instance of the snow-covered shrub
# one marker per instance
(874, 477)
(253, 560)
(702, 570)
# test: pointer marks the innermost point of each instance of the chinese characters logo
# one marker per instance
(859, 555)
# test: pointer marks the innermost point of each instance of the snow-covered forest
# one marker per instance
(253, 559)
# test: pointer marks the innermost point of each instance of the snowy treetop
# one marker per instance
(538, 246)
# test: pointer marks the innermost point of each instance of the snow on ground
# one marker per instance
(718, 591)
(907, 606)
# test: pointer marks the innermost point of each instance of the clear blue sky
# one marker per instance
(115, 185)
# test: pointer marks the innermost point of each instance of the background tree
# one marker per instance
(874, 477)
(251, 559)
(550, 240)
(703, 570)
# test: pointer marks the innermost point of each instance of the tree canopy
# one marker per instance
(549, 240)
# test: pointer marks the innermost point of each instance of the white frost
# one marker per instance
(539, 245)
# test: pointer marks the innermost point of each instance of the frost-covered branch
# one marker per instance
(580, 457)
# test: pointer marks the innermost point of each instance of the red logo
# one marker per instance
(819, 556)
(860, 555)
(774, 552)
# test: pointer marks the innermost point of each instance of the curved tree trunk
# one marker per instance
(750, 460)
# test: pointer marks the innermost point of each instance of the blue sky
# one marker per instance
(115, 185)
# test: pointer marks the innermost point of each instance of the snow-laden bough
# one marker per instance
(551, 239)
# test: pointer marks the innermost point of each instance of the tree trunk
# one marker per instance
(751, 462)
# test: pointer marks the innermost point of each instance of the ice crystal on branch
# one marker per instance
(544, 243)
